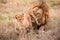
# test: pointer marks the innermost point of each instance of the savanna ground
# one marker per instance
(8, 24)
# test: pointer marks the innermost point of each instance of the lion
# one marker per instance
(25, 20)
(36, 17)
(39, 11)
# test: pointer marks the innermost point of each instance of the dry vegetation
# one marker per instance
(10, 29)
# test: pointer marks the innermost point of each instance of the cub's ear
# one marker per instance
(19, 16)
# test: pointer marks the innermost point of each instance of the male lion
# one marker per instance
(39, 12)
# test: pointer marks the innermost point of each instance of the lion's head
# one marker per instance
(19, 17)
(39, 12)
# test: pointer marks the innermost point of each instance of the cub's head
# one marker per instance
(19, 17)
